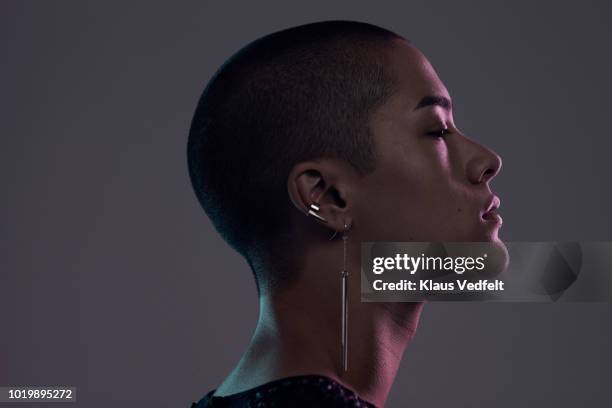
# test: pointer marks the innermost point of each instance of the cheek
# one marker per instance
(417, 202)
(398, 203)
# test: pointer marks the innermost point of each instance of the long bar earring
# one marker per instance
(344, 278)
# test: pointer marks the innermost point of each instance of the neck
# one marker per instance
(298, 333)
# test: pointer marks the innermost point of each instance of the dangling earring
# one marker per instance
(344, 275)
(344, 284)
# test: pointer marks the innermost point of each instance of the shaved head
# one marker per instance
(299, 94)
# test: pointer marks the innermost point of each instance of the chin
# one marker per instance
(490, 243)
(499, 254)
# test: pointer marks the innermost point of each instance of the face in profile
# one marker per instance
(432, 182)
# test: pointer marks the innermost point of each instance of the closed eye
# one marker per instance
(439, 133)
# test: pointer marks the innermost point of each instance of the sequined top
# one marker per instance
(295, 392)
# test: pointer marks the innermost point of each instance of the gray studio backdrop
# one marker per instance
(112, 278)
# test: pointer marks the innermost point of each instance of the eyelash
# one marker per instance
(439, 133)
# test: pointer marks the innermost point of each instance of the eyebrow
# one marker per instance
(429, 100)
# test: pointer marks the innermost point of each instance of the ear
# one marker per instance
(326, 183)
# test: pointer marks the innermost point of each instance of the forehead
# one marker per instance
(415, 75)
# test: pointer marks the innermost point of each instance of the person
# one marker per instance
(305, 143)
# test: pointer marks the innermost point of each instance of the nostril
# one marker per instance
(488, 174)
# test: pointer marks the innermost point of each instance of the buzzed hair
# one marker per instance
(299, 94)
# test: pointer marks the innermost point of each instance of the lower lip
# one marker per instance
(492, 218)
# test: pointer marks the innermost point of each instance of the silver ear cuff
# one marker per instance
(314, 211)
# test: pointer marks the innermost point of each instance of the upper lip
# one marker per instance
(493, 204)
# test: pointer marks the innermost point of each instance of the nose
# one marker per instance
(483, 165)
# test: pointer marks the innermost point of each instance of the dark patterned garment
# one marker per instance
(295, 392)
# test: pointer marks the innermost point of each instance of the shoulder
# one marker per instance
(296, 392)
(204, 402)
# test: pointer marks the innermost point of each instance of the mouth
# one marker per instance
(489, 214)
